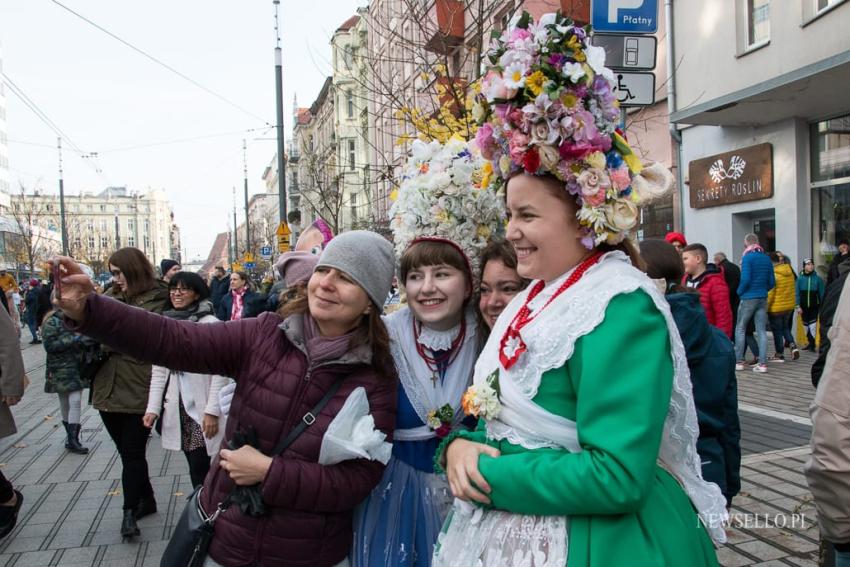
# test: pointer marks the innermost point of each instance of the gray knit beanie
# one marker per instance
(367, 258)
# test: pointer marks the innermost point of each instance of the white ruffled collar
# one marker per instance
(437, 340)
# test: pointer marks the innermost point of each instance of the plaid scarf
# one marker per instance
(238, 301)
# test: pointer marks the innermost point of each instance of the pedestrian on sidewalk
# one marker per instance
(828, 468)
(62, 375)
(187, 403)
(168, 268)
(241, 302)
(757, 280)
(13, 380)
(781, 301)
(31, 300)
(711, 360)
(120, 387)
(732, 275)
(810, 291)
(707, 278)
(330, 342)
(219, 286)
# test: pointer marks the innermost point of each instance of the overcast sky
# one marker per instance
(111, 100)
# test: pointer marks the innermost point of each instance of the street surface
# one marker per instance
(72, 503)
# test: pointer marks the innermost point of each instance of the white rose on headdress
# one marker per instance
(549, 157)
(542, 134)
(462, 171)
(421, 151)
(621, 215)
(439, 180)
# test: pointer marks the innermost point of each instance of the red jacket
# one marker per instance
(714, 297)
(309, 506)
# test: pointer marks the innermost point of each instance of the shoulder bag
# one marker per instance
(194, 530)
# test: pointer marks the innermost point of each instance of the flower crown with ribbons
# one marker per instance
(446, 194)
(547, 107)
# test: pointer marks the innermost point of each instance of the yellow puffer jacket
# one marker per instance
(781, 298)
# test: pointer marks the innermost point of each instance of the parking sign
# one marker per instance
(624, 16)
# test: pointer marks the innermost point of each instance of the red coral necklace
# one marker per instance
(445, 358)
(512, 346)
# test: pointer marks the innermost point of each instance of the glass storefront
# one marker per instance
(830, 145)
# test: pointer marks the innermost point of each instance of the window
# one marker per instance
(90, 226)
(349, 104)
(830, 145)
(131, 241)
(353, 202)
(758, 22)
(49, 208)
(103, 208)
(351, 152)
(103, 225)
(131, 225)
(147, 226)
(147, 241)
(78, 243)
(104, 242)
(91, 243)
(822, 5)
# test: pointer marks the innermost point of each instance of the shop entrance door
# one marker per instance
(765, 229)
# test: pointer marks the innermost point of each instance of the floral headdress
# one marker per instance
(446, 193)
(548, 107)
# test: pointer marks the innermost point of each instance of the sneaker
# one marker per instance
(776, 358)
(739, 365)
(795, 353)
(753, 362)
(760, 368)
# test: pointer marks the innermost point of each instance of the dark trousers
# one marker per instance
(131, 439)
(6, 490)
(199, 465)
(781, 331)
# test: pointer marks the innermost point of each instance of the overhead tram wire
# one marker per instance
(41, 115)
(163, 64)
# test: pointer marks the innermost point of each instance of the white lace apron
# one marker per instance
(479, 537)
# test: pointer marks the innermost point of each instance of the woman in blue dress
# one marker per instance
(434, 342)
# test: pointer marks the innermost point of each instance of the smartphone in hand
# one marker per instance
(57, 279)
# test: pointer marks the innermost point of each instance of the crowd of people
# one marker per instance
(536, 387)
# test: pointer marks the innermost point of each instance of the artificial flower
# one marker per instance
(594, 185)
(535, 81)
(573, 71)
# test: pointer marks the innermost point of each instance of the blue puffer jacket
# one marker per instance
(756, 276)
(711, 360)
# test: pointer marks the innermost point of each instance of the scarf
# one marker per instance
(752, 248)
(194, 312)
(238, 301)
(320, 348)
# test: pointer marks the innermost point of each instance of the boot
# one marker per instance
(73, 442)
(146, 507)
(129, 528)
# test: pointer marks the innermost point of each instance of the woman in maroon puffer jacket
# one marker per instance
(282, 367)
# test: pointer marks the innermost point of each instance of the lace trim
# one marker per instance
(438, 340)
(551, 341)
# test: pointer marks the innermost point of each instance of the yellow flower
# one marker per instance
(486, 174)
(484, 231)
(535, 81)
(575, 45)
(569, 100)
(442, 217)
(394, 195)
(596, 160)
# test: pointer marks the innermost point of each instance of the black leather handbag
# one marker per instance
(193, 533)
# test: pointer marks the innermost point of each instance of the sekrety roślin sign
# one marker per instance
(732, 177)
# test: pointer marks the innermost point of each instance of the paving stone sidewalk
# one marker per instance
(72, 503)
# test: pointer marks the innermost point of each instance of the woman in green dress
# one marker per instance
(585, 454)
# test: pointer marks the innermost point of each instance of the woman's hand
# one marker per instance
(462, 470)
(210, 425)
(76, 286)
(149, 419)
(246, 465)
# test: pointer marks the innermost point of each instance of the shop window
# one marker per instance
(831, 149)
(831, 208)
(656, 220)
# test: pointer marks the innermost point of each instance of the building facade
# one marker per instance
(765, 123)
(98, 224)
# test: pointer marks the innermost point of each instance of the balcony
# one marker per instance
(446, 25)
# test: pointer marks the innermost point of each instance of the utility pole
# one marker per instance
(247, 219)
(235, 230)
(62, 201)
(281, 155)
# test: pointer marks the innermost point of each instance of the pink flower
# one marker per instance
(484, 138)
(585, 130)
(594, 185)
(519, 34)
(493, 86)
(517, 146)
(573, 151)
(620, 177)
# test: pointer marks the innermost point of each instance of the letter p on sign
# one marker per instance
(615, 6)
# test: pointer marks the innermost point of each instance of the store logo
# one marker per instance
(735, 171)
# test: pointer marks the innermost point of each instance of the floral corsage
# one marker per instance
(483, 400)
(440, 420)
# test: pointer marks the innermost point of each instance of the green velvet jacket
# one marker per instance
(623, 508)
